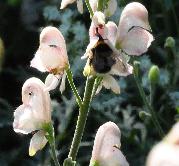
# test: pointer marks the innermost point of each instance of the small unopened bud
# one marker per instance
(144, 115)
(69, 162)
(170, 42)
(153, 75)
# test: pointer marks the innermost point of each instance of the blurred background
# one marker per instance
(20, 24)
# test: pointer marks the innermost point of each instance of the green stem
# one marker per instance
(73, 87)
(175, 18)
(51, 139)
(152, 89)
(144, 98)
(83, 113)
(53, 153)
(89, 8)
(100, 5)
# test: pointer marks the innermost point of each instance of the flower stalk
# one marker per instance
(73, 87)
(89, 8)
(144, 98)
(83, 113)
(51, 139)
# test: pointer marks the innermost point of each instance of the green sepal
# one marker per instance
(94, 163)
(69, 162)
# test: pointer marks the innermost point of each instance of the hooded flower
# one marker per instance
(106, 149)
(112, 63)
(64, 4)
(109, 9)
(51, 56)
(34, 113)
(166, 153)
(134, 35)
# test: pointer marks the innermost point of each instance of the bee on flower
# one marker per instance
(34, 113)
(110, 45)
(51, 57)
(106, 148)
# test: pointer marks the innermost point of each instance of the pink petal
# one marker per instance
(62, 85)
(134, 14)
(93, 4)
(64, 3)
(24, 121)
(37, 142)
(51, 55)
(37, 63)
(137, 41)
(110, 83)
(80, 6)
(106, 149)
(111, 31)
(52, 81)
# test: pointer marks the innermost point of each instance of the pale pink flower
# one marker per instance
(65, 3)
(166, 152)
(106, 148)
(34, 112)
(108, 33)
(134, 37)
(51, 56)
(109, 10)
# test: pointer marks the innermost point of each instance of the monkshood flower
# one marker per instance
(106, 149)
(166, 153)
(110, 45)
(64, 3)
(134, 36)
(34, 113)
(109, 9)
(51, 57)
(103, 58)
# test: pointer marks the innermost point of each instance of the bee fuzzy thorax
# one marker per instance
(102, 59)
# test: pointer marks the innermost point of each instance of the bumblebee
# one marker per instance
(102, 56)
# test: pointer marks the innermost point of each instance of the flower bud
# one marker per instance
(170, 42)
(143, 115)
(153, 75)
(106, 149)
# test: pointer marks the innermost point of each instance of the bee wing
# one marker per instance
(121, 67)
